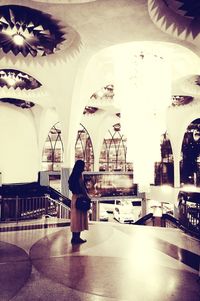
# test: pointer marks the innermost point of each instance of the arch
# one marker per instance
(190, 154)
(113, 152)
(84, 148)
(164, 170)
(52, 155)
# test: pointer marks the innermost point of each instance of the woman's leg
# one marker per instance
(76, 238)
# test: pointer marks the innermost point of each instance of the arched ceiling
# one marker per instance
(178, 18)
(88, 27)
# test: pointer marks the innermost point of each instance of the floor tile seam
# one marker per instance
(179, 264)
(79, 291)
(66, 255)
(183, 240)
(154, 236)
(15, 261)
(196, 256)
(29, 227)
(185, 248)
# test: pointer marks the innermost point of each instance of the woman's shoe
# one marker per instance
(78, 240)
(82, 240)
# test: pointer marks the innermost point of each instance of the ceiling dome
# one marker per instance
(179, 18)
(17, 79)
(28, 31)
(18, 102)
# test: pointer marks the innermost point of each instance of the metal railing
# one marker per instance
(24, 208)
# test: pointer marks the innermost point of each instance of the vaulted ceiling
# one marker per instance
(53, 40)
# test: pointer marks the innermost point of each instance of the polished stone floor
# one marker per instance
(118, 262)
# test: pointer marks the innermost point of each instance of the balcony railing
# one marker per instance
(24, 208)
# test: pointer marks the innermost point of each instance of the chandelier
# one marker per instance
(143, 95)
(28, 31)
(17, 79)
(179, 100)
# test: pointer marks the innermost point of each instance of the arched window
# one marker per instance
(113, 153)
(190, 163)
(84, 148)
(52, 156)
(164, 170)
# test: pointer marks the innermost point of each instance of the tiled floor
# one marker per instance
(118, 262)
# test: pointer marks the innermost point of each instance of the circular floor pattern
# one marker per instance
(110, 277)
(59, 243)
(15, 268)
(114, 278)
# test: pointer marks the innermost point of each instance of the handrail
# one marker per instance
(143, 219)
(23, 208)
(179, 225)
(63, 210)
(56, 195)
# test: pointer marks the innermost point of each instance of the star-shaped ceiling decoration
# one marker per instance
(106, 93)
(89, 110)
(191, 8)
(179, 100)
(18, 102)
(17, 79)
(28, 31)
(179, 18)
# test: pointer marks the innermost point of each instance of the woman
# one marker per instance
(79, 219)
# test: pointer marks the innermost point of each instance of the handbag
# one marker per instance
(83, 203)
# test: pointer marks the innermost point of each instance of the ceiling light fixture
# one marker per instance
(29, 31)
(18, 39)
(17, 79)
(11, 81)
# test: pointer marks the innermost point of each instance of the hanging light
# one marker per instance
(143, 97)
(11, 81)
(18, 39)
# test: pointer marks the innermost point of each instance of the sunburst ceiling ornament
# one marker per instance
(18, 102)
(17, 79)
(106, 93)
(89, 110)
(28, 31)
(117, 127)
(180, 18)
(190, 8)
(180, 100)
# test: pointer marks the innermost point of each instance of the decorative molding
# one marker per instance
(106, 94)
(180, 100)
(44, 37)
(177, 18)
(90, 110)
(18, 102)
(17, 79)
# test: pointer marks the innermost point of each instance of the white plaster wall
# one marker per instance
(19, 150)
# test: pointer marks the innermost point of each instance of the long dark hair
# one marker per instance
(75, 175)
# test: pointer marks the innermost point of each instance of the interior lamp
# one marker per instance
(142, 89)
(11, 81)
(18, 39)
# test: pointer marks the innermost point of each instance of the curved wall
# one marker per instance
(18, 150)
